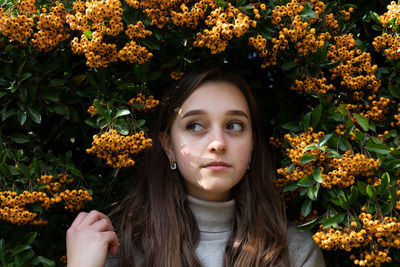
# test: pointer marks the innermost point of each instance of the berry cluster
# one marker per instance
(91, 110)
(97, 52)
(347, 13)
(335, 171)
(380, 234)
(396, 118)
(344, 170)
(52, 30)
(17, 28)
(191, 18)
(118, 149)
(75, 200)
(341, 129)
(308, 84)
(355, 67)
(332, 23)
(136, 31)
(27, 7)
(103, 17)
(134, 53)
(226, 24)
(393, 12)
(392, 44)
(141, 103)
(14, 207)
(177, 75)
(294, 29)
(260, 44)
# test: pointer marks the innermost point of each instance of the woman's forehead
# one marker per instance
(215, 97)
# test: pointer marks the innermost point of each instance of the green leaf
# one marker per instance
(312, 192)
(292, 126)
(362, 187)
(88, 34)
(371, 191)
(308, 225)
(241, 3)
(306, 181)
(29, 238)
(354, 194)
(317, 175)
(378, 148)
(316, 115)
(154, 76)
(375, 17)
(385, 180)
(19, 138)
(78, 79)
(305, 121)
(290, 187)
(45, 261)
(151, 44)
(360, 136)
(54, 97)
(362, 121)
(391, 165)
(343, 109)
(330, 65)
(19, 249)
(140, 123)
(222, 3)
(307, 158)
(291, 168)
(336, 219)
(376, 28)
(288, 65)
(34, 114)
(77, 173)
(122, 112)
(395, 91)
(306, 207)
(306, 14)
(138, 105)
(99, 108)
(2, 252)
(325, 139)
(21, 117)
(25, 76)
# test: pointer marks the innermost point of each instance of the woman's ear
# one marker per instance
(165, 141)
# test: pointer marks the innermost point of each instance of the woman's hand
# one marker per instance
(89, 238)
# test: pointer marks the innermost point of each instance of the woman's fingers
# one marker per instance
(92, 217)
(89, 238)
(78, 219)
(113, 242)
(102, 225)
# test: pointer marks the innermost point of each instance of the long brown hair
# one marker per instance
(154, 220)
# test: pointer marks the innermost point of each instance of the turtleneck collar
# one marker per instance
(212, 216)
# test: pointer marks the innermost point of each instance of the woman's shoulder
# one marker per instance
(303, 251)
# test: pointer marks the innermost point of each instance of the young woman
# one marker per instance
(205, 195)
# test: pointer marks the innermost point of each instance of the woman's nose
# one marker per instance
(217, 142)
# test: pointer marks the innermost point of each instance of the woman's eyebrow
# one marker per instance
(201, 112)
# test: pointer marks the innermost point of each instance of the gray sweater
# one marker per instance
(215, 222)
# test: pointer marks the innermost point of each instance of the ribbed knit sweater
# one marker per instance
(214, 220)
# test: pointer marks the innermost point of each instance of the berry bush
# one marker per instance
(79, 81)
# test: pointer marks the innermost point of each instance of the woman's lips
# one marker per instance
(217, 167)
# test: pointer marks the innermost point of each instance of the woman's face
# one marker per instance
(211, 140)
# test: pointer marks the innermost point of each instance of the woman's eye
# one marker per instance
(235, 126)
(194, 127)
